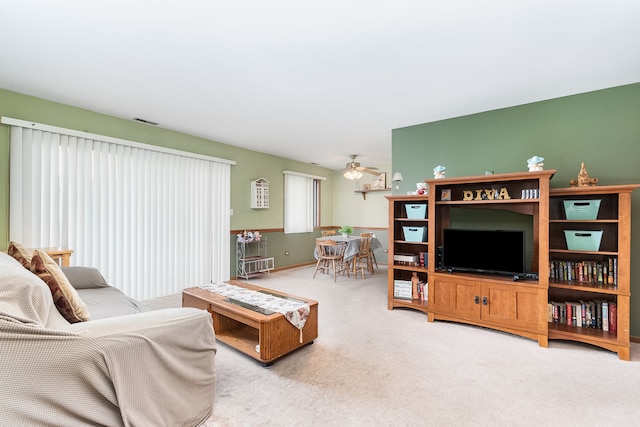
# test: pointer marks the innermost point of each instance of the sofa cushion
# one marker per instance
(25, 298)
(20, 253)
(84, 277)
(108, 302)
(65, 297)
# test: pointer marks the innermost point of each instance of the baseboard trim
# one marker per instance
(286, 267)
(634, 339)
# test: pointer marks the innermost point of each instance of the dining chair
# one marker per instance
(327, 233)
(331, 258)
(362, 259)
(372, 256)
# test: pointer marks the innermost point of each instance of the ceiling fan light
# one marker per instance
(352, 174)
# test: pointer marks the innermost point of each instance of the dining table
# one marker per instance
(353, 245)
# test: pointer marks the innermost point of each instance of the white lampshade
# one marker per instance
(353, 174)
(397, 179)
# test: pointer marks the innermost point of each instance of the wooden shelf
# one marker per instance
(614, 219)
(413, 304)
(364, 192)
(585, 287)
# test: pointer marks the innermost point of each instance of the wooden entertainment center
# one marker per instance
(521, 305)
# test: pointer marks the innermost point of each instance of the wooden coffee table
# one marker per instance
(264, 337)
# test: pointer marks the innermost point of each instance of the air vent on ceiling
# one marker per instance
(145, 121)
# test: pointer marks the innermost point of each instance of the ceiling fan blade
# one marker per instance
(372, 171)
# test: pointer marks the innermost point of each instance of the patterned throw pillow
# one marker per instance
(65, 297)
(20, 253)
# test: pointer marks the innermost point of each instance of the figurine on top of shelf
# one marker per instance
(583, 179)
(438, 172)
(421, 188)
(535, 163)
(249, 236)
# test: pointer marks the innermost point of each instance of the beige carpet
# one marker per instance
(375, 367)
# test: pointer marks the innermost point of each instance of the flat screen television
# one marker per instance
(484, 251)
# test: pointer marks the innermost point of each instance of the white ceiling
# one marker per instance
(314, 81)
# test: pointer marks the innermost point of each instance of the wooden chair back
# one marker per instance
(330, 249)
(364, 245)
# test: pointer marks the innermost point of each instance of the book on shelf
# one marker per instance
(423, 259)
(598, 314)
(411, 260)
(605, 316)
(423, 291)
(613, 317)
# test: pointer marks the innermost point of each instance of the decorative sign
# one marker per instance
(486, 194)
(402, 289)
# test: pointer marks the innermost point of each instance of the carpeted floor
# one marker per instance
(374, 367)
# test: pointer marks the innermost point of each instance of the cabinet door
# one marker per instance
(455, 297)
(511, 305)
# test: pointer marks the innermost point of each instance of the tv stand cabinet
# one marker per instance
(499, 302)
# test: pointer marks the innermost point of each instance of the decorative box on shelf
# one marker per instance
(416, 211)
(583, 240)
(581, 209)
(414, 234)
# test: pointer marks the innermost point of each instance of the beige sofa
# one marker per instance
(152, 368)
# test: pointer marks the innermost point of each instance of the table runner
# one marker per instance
(296, 312)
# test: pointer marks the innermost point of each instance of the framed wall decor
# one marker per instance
(380, 181)
(260, 194)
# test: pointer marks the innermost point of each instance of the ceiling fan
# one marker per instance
(354, 170)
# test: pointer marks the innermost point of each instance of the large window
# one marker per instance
(154, 221)
(301, 202)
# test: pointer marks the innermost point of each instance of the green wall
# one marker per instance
(249, 165)
(600, 128)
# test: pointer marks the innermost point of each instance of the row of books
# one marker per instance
(603, 273)
(423, 291)
(597, 314)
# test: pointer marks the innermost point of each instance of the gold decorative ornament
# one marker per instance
(583, 179)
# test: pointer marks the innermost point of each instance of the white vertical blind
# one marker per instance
(153, 222)
(298, 203)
